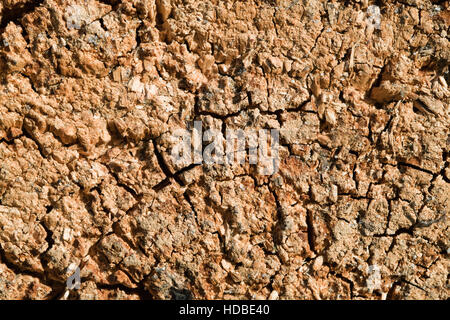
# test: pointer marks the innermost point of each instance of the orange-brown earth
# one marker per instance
(91, 93)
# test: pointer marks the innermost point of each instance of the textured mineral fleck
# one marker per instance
(91, 93)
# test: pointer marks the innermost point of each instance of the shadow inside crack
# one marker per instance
(15, 13)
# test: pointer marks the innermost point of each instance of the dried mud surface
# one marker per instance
(90, 92)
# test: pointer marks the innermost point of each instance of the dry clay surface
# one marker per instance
(92, 91)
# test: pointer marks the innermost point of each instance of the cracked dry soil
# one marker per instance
(91, 92)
